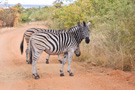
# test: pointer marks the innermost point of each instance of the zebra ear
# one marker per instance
(88, 23)
(84, 24)
(78, 24)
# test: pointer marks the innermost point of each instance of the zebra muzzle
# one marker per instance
(87, 40)
(78, 54)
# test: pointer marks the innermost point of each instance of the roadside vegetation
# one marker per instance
(112, 31)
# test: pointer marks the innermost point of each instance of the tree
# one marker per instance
(57, 4)
(19, 7)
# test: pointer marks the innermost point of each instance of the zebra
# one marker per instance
(28, 33)
(55, 44)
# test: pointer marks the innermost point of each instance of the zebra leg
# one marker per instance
(70, 55)
(47, 59)
(34, 69)
(60, 59)
(63, 63)
(35, 54)
(27, 53)
(34, 61)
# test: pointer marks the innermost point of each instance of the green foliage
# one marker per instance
(25, 17)
(36, 14)
(73, 13)
(19, 7)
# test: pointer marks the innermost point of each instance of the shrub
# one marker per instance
(7, 16)
(112, 36)
(10, 16)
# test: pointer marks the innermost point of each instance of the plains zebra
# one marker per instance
(28, 33)
(51, 43)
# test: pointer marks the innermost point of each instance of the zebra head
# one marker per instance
(77, 52)
(85, 31)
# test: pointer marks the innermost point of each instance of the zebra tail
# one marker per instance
(30, 53)
(21, 45)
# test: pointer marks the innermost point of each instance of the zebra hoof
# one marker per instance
(47, 62)
(29, 62)
(71, 74)
(62, 74)
(37, 76)
(60, 61)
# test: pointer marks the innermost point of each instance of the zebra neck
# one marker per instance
(78, 36)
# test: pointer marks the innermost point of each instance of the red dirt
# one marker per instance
(16, 74)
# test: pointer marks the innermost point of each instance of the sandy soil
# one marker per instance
(16, 74)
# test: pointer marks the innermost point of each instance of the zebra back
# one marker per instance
(31, 31)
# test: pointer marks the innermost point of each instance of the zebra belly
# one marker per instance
(55, 53)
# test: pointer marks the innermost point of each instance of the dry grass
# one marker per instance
(104, 51)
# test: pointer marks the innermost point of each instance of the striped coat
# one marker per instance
(31, 31)
(55, 44)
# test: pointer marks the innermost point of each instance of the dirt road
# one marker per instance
(16, 74)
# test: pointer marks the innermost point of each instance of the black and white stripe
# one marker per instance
(30, 32)
(55, 44)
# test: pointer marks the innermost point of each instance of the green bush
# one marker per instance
(36, 14)
(25, 17)
(68, 16)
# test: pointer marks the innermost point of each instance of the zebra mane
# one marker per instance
(51, 31)
(61, 31)
(73, 29)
